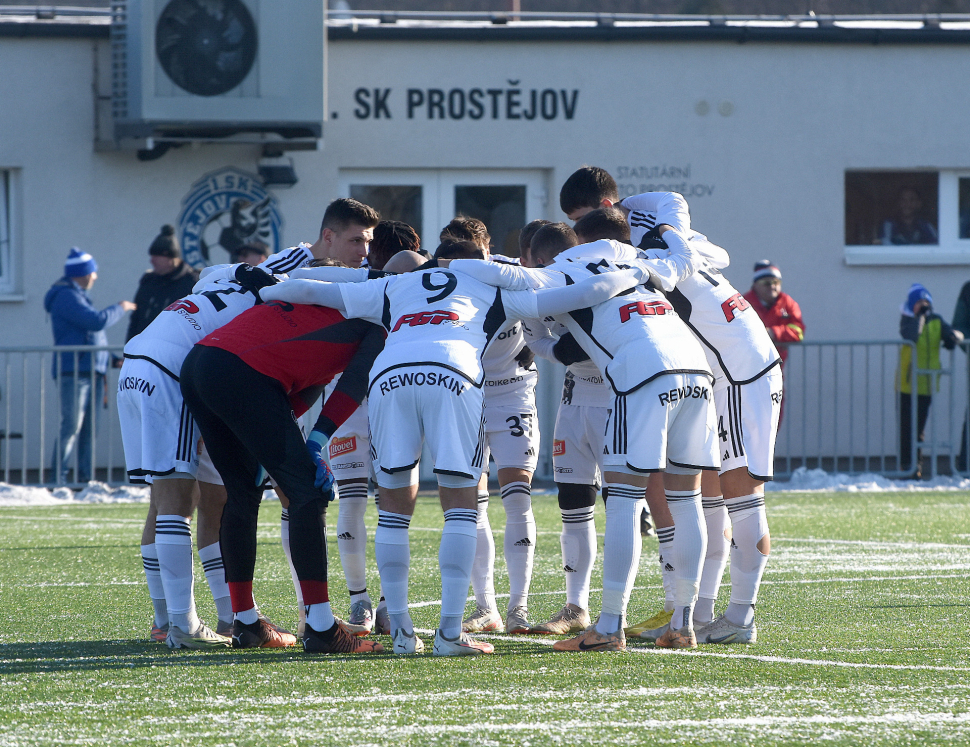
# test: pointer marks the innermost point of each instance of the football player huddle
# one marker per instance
(670, 406)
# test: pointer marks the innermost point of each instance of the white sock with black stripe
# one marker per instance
(578, 542)
(621, 552)
(520, 540)
(687, 551)
(215, 576)
(483, 569)
(173, 541)
(392, 549)
(749, 554)
(352, 537)
(666, 537)
(455, 557)
(718, 545)
(149, 561)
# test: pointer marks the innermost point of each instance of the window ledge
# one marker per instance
(916, 254)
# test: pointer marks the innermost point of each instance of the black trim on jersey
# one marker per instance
(636, 469)
(495, 317)
(657, 375)
(153, 362)
(392, 470)
(763, 478)
(412, 364)
(479, 456)
(681, 305)
(691, 466)
(142, 472)
(295, 259)
(386, 312)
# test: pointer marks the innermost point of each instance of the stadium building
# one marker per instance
(791, 138)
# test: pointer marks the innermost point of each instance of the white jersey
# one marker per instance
(583, 385)
(216, 300)
(734, 337)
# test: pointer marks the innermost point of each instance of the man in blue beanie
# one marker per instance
(80, 379)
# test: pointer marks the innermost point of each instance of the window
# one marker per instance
(7, 284)
(907, 217)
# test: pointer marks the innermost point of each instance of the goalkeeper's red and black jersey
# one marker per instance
(303, 347)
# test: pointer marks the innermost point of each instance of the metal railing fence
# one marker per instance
(840, 414)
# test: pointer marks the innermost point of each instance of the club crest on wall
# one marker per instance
(224, 210)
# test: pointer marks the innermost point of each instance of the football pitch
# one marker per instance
(863, 624)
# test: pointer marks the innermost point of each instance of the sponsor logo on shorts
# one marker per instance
(421, 378)
(563, 470)
(685, 392)
(349, 465)
(644, 308)
(425, 317)
(503, 382)
(734, 305)
(558, 448)
(342, 445)
(139, 385)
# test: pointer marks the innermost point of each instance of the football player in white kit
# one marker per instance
(662, 383)
(426, 387)
(748, 392)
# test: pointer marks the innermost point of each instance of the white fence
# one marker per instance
(840, 413)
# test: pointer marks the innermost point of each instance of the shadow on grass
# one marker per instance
(61, 656)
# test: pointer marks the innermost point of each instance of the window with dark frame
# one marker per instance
(895, 208)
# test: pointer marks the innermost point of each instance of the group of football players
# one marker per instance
(670, 407)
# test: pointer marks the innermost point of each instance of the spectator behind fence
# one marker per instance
(252, 253)
(780, 312)
(919, 324)
(961, 323)
(169, 280)
(75, 321)
(908, 227)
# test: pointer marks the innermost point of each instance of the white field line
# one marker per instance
(873, 543)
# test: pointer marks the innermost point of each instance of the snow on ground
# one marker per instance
(803, 480)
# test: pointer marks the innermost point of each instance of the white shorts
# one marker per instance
(157, 430)
(349, 447)
(577, 446)
(671, 419)
(747, 423)
(207, 470)
(410, 406)
(512, 436)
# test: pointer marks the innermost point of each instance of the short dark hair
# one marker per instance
(551, 239)
(603, 223)
(464, 228)
(526, 234)
(391, 237)
(587, 187)
(254, 246)
(345, 211)
(458, 249)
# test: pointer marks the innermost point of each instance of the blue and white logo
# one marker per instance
(224, 210)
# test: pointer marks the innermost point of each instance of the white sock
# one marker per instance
(248, 617)
(320, 616)
(666, 537)
(483, 569)
(149, 560)
(578, 542)
(352, 535)
(688, 550)
(455, 557)
(173, 543)
(392, 549)
(621, 552)
(750, 525)
(520, 540)
(718, 545)
(285, 541)
(215, 576)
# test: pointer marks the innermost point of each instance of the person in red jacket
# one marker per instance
(246, 384)
(779, 311)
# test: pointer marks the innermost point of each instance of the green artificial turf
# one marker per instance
(864, 639)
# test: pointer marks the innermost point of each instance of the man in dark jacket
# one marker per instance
(80, 380)
(169, 280)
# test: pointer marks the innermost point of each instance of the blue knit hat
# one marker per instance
(79, 264)
(916, 293)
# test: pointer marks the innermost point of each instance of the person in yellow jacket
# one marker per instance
(920, 325)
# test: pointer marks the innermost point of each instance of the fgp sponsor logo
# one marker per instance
(644, 308)
(224, 210)
(186, 308)
(508, 102)
(558, 448)
(734, 306)
(342, 446)
(674, 396)
(425, 317)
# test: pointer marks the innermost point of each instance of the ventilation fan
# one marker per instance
(207, 47)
